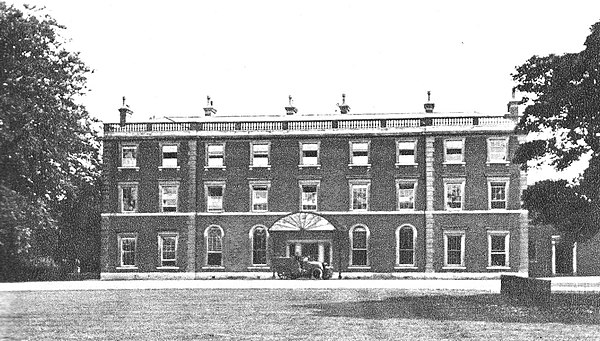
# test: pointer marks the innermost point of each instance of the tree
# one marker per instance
(48, 147)
(564, 114)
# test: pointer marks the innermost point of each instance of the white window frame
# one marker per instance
(253, 154)
(351, 264)
(168, 164)
(506, 187)
(161, 252)
(303, 183)
(414, 243)
(360, 184)
(252, 186)
(302, 164)
(506, 252)
(454, 233)
(208, 155)
(351, 147)
(462, 154)
(161, 188)
(490, 159)
(461, 183)
(207, 246)
(414, 186)
(133, 165)
(209, 184)
(251, 236)
(399, 160)
(121, 186)
(121, 238)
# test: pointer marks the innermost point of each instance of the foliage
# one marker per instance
(564, 115)
(48, 147)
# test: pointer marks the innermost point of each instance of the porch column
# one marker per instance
(554, 240)
(321, 252)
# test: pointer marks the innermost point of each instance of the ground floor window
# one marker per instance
(167, 244)
(359, 241)
(214, 246)
(127, 247)
(498, 248)
(454, 248)
(405, 241)
(258, 237)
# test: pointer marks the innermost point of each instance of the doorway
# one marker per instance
(319, 250)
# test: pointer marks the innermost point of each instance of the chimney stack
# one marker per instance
(123, 112)
(344, 108)
(291, 109)
(209, 110)
(513, 107)
(429, 105)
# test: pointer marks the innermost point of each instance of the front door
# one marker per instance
(314, 250)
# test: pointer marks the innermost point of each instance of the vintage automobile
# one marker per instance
(297, 267)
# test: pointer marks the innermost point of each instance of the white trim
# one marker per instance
(506, 181)
(120, 238)
(456, 181)
(123, 145)
(206, 252)
(251, 185)
(349, 213)
(414, 243)
(351, 244)
(506, 235)
(206, 155)
(133, 184)
(462, 234)
(400, 140)
(260, 142)
(251, 237)
(506, 141)
(208, 184)
(162, 154)
(161, 186)
(414, 196)
(359, 183)
(302, 183)
(300, 144)
(128, 168)
(462, 155)
(160, 238)
(351, 153)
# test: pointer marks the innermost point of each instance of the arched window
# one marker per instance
(359, 244)
(214, 246)
(406, 236)
(258, 239)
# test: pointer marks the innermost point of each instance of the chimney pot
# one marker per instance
(291, 109)
(429, 105)
(209, 110)
(344, 108)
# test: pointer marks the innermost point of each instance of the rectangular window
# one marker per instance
(215, 154)
(129, 194)
(405, 152)
(260, 154)
(310, 154)
(167, 244)
(498, 249)
(168, 197)
(454, 245)
(406, 194)
(359, 192)
(309, 196)
(214, 197)
(359, 153)
(497, 150)
(260, 197)
(497, 190)
(454, 195)
(129, 156)
(454, 151)
(359, 246)
(169, 156)
(127, 245)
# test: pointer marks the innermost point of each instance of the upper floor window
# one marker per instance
(128, 193)
(359, 195)
(127, 248)
(454, 194)
(214, 196)
(259, 196)
(406, 194)
(405, 152)
(215, 155)
(309, 153)
(498, 242)
(454, 150)
(169, 156)
(260, 154)
(167, 244)
(454, 248)
(497, 149)
(309, 192)
(359, 153)
(359, 245)
(168, 197)
(497, 194)
(129, 156)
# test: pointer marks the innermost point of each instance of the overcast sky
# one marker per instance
(167, 56)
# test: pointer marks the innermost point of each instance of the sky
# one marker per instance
(165, 57)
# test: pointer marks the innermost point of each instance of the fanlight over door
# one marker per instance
(302, 221)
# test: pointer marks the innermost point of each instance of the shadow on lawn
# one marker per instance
(562, 308)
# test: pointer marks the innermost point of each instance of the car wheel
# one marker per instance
(317, 274)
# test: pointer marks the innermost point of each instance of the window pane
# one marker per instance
(498, 243)
(359, 238)
(406, 194)
(406, 239)
(129, 156)
(259, 246)
(309, 197)
(454, 196)
(405, 257)
(497, 150)
(259, 198)
(359, 197)
(215, 149)
(214, 240)
(129, 198)
(359, 257)
(128, 251)
(454, 250)
(498, 260)
(214, 258)
(215, 198)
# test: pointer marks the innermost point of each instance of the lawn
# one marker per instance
(224, 314)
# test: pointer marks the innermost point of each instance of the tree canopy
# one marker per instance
(564, 114)
(48, 147)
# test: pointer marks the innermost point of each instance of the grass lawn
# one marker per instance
(369, 314)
